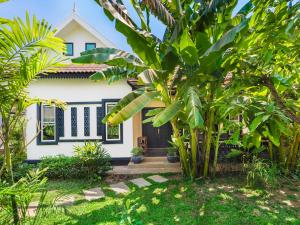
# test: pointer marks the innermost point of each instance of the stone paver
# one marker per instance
(140, 182)
(158, 178)
(93, 194)
(120, 188)
(65, 200)
(32, 207)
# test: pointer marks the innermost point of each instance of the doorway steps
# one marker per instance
(156, 152)
(156, 164)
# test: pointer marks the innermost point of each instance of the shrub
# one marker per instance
(91, 160)
(137, 151)
(261, 173)
(63, 167)
(94, 157)
(21, 170)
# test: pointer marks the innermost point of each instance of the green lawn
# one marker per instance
(219, 201)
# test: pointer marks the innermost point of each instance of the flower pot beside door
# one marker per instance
(172, 155)
(137, 155)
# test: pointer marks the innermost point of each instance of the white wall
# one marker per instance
(79, 36)
(75, 90)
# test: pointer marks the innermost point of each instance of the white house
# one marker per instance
(87, 103)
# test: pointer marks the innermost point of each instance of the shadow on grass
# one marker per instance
(106, 215)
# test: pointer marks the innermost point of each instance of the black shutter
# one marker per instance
(60, 122)
(86, 121)
(73, 121)
(98, 119)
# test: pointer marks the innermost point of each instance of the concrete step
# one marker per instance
(154, 162)
(155, 159)
(124, 170)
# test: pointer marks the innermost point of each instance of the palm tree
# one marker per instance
(26, 50)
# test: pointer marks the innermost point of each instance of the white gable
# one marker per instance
(78, 32)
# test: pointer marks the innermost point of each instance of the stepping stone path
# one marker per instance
(65, 200)
(140, 182)
(120, 188)
(93, 194)
(32, 207)
(158, 178)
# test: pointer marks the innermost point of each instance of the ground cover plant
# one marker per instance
(224, 200)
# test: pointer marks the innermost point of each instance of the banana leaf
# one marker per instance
(132, 108)
(167, 114)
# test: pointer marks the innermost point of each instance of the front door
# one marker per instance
(158, 137)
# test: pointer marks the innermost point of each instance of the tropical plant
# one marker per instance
(182, 71)
(137, 151)
(25, 52)
(23, 191)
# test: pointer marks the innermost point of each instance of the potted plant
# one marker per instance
(172, 155)
(137, 155)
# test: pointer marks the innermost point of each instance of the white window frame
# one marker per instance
(106, 127)
(52, 123)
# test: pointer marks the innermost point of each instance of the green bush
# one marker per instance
(90, 161)
(22, 169)
(94, 157)
(63, 167)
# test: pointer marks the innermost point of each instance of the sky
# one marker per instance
(57, 11)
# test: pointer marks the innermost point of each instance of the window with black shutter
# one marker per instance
(73, 121)
(86, 121)
(60, 122)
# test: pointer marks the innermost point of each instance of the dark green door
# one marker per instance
(158, 137)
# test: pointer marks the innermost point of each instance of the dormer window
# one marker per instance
(69, 49)
(90, 46)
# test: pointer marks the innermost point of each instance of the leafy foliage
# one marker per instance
(91, 160)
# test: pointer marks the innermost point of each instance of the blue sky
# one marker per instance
(56, 11)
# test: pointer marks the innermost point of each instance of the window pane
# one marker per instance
(89, 46)
(69, 49)
(48, 132)
(113, 131)
(48, 114)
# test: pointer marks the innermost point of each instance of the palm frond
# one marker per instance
(19, 38)
(159, 10)
(117, 10)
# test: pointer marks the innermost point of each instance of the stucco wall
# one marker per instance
(78, 36)
(75, 90)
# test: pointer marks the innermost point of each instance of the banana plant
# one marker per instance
(179, 71)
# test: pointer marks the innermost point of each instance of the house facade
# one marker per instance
(87, 102)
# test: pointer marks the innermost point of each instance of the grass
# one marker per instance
(219, 201)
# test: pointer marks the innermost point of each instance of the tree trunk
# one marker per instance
(208, 141)
(282, 152)
(270, 145)
(8, 165)
(182, 150)
(217, 145)
(194, 148)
